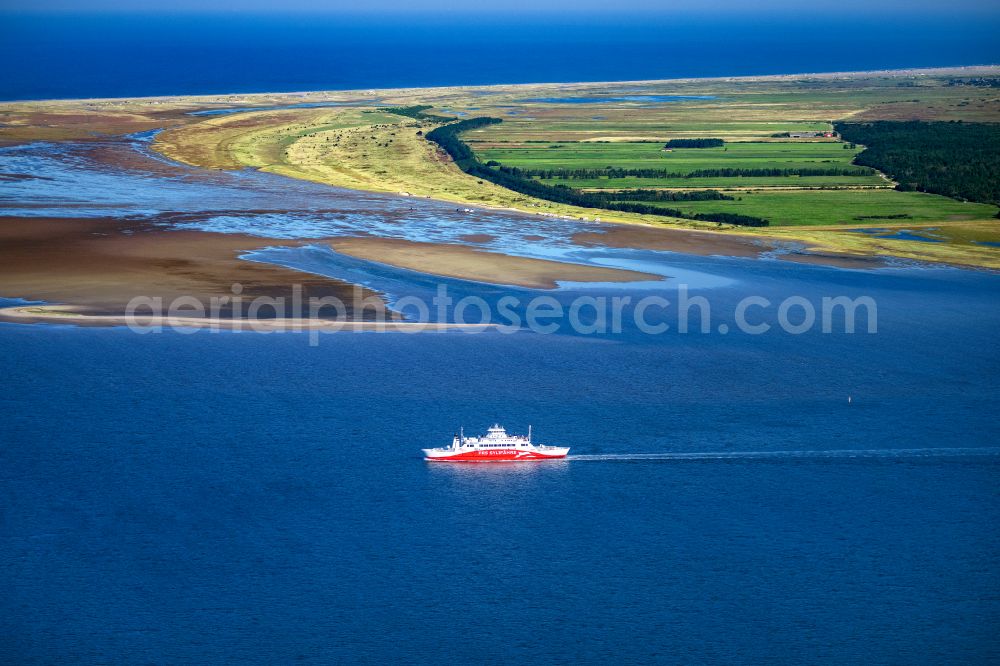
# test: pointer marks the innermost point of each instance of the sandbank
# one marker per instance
(466, 263)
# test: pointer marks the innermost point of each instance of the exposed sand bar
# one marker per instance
(62, 314)
(467, 263)
(838, 260)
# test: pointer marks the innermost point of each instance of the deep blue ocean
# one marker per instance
(112, 55)
(245, 498)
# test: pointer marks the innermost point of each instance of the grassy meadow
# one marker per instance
(576, 137)
(868, 208)
(724, 183)
(788, 154)
(652, 155)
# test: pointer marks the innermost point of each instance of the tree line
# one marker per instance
(978, 82)
(447, 138)
(694, 143)
(955, 159)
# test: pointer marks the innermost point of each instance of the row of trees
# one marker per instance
(979, 82)
(956, 159)
(447, 138)
(695, 143)
(616, 172)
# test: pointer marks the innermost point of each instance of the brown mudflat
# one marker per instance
(98, 265)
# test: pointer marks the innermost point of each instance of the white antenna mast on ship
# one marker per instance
(529, 433)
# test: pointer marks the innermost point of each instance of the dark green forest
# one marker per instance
(956, 159)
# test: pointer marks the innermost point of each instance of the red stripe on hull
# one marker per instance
(495, 456)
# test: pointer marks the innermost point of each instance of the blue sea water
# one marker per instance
(923, 235)
(55, 55)
(248, 498)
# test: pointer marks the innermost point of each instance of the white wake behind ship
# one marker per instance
(495, 446)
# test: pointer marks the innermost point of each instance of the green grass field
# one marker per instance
(590, 155)
(635, 155)
(828, 207)
(616, 122)
(721, 183)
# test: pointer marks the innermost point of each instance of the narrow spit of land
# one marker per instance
(776, 161)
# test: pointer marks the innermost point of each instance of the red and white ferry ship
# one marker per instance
(495, 446)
